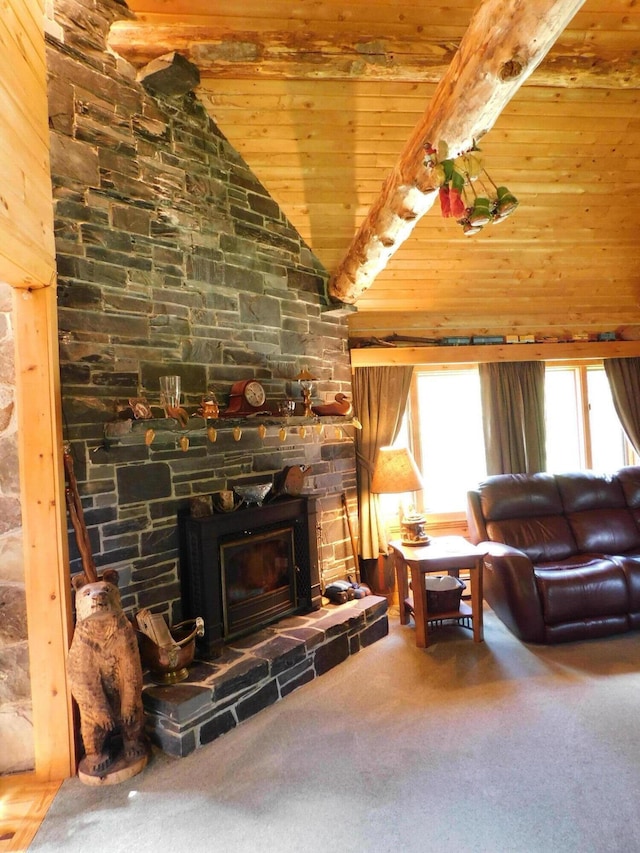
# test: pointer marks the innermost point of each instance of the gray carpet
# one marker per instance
(491, 748)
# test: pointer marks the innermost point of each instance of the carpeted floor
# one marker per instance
(491, 748)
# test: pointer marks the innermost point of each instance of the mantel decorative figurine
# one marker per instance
(306, 381)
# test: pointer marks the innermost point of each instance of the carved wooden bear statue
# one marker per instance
(106, 678)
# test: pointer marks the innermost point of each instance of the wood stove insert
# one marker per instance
(247, 569)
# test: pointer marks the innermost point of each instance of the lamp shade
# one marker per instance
(396, 472)
(305, 378)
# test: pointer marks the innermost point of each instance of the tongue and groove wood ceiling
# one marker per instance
(320, 96)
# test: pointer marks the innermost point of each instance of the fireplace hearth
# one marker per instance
(247, 569)
(257, 671)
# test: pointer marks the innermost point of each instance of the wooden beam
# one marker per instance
(46, 560)
(221, 53)
(503, 45)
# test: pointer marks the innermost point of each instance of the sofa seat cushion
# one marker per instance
(581, 588)
(543, 539)
(588, 629)
(604, 531)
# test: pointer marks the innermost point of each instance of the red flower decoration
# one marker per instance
(445, 201)
(456, 203)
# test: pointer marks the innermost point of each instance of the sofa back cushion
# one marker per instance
(629, 479)
(519, 496)
(596, 508)
(525, 511)
(545, 539)
(604, 531)
(584, 490)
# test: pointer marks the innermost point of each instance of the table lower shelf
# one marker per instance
(463, 614)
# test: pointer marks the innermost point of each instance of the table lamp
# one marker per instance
(396, 472)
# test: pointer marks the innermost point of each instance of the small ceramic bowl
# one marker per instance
(253, 493)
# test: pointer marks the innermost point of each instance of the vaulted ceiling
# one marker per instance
(319, 97)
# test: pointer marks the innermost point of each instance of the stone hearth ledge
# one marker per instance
(257, 671)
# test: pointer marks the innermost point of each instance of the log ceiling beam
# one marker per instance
(222, 54)
(505, 42)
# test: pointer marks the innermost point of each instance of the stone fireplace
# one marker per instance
(250, 568)
(281, 638)
(174, 259)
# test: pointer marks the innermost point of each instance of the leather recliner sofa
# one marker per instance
(562, 552)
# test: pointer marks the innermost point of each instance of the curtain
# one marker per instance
(624, 380)
(513, 416)
(380, 398)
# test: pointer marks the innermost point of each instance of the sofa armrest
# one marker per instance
(510, 589)
(475, 519)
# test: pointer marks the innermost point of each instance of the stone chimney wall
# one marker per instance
(173, 258)
(16, 722)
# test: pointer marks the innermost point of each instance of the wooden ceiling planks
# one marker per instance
(323, 147)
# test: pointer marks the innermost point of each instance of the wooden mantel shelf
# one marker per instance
(571, 351)
(129, 431)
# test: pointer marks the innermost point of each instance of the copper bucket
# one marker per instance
(168, 664)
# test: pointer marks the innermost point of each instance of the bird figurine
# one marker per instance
(340, 406)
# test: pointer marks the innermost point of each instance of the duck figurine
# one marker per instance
(340, 406)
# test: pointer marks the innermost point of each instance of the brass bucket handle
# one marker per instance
(198, 630)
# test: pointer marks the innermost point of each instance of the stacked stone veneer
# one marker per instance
(16, 721)
(173, 258)
(257, 672)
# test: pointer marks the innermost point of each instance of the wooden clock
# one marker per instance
(247, 396)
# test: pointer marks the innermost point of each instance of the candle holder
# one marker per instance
(209, 408)
(170, 392)
(286, 408)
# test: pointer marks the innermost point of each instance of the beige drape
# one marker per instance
(380, 398)
(513, 416)
(624, 380)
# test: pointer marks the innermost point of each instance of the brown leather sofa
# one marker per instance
(562, 552)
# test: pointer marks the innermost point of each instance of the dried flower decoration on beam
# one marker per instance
(458, 197)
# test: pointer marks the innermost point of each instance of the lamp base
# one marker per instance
(416, 542)
(306, 401)
(412, 530)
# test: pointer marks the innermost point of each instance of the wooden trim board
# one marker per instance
(385, 356)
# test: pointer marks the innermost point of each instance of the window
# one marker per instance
(564, 421)
(447, 436)
(583, 430)
(445, 428)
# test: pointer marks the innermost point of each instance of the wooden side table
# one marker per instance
(444, 555)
